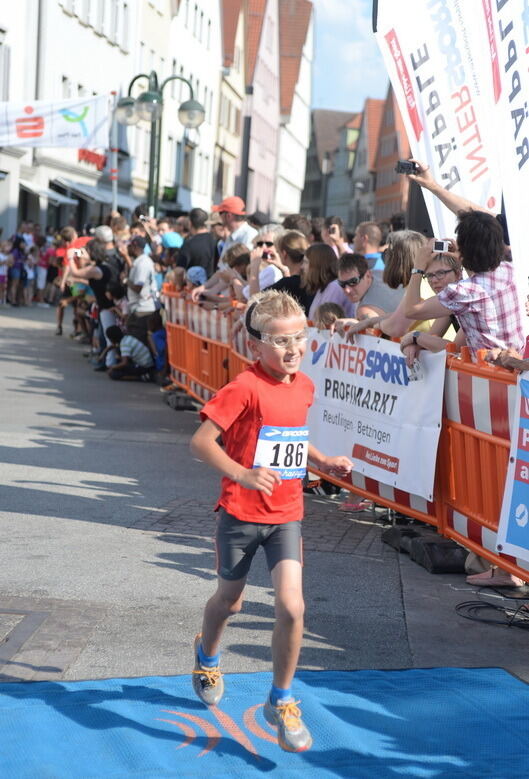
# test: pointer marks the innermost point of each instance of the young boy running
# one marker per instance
(262, 416)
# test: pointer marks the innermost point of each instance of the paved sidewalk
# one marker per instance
(107, 555)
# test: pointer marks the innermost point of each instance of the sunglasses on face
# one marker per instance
(438, 274)
(352, 282)
(260, 244)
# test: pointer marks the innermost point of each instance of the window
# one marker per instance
(201, 26)
(124, 41)
(66, 88)
(173, 83)
(5, 54)
(186, 17)
(208, 40)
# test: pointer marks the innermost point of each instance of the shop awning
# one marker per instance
(99, 194)
(53, 197)
(87, 192)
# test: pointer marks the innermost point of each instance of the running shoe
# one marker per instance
(292, 733)
(207, 681)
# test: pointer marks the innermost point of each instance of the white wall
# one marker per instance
(195, 43)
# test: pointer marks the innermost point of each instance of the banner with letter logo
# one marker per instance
(78, 123)
(509, 55)
(367, 407)
(513, 530)
(438, 56)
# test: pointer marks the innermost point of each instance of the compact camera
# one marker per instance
(406, 166)
(441, 246)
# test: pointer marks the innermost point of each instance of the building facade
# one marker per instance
(363, 174)
(195, 47)
(324, 143)
(296, 49)
(391, 193)
(256, 180)
(340, 189)
(55, 185)
(232, 90)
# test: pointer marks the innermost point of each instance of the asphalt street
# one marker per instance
(107, 559)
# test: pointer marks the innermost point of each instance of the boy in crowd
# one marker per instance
(261, 502)
(135, 361)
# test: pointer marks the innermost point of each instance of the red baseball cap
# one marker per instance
(233, 205)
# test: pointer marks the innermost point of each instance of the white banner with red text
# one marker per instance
(368, 408)
(508, 71)
(438, 59)
(77, 123)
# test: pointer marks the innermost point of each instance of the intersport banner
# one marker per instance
(438, 58)
(78, 123)
(366, 407)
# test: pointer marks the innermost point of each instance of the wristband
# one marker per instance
(417, 271)
(415, 334)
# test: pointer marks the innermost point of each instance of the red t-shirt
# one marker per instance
(78, 243)
(241, 408)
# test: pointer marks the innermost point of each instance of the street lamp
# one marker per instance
(148, 106)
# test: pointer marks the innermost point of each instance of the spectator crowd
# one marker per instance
(381, 276)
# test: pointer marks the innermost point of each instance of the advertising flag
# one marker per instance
(78, 123)
(438, 59)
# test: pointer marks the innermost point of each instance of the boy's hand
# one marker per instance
(340, 466)
(260, 479)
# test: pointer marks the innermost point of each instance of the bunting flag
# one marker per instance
(78, 123)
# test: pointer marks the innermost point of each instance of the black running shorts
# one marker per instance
(238, 541)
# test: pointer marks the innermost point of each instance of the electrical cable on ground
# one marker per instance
(510, 617)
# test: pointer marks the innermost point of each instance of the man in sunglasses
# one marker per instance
(365, 288)
(232, 211)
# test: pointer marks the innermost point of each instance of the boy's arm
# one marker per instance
(205, 447)
(341, 466)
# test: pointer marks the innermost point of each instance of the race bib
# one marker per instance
(283, 449)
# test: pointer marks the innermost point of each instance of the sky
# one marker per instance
(348, 66)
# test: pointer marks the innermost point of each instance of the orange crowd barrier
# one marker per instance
(207, 349)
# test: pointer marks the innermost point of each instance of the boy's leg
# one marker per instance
(288, 629)
(284, 554)
(226, 601)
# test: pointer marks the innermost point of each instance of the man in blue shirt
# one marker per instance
(367, 241)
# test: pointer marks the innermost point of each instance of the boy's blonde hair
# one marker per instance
(266, 306)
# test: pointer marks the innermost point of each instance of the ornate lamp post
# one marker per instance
(148, 106)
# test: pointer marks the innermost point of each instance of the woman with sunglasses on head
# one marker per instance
(292, 247)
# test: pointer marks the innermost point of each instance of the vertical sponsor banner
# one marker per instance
(367, 407)
(509, 54)
(513, 530)
(437, 54)
(77, 123)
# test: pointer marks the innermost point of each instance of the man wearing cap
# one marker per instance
(233, 213)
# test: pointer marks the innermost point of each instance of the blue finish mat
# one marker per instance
(442, 722)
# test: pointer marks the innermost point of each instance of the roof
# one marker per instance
(256, 13)
(230, 10)
(373, 112)
(356, 121)
(294, 20)
(326, 126)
